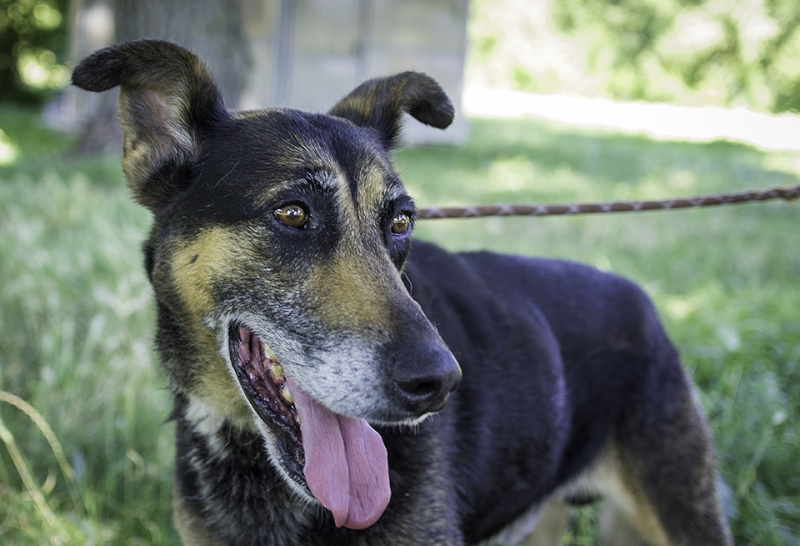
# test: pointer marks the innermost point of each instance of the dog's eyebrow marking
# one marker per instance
(313, 181)
(371, 188)
(321, 179)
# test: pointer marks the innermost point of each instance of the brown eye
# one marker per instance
(292, 215)
(401, 224)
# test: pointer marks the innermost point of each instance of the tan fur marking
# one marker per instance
(627, 513)
(350, 295)
(371, 188)
(196, 267)
(219, 389)
(552, 523)
(633, 507)
(624, 501)
(203, 261)
(363, 105)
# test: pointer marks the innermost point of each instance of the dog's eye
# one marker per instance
(292, 215)
(401, 224)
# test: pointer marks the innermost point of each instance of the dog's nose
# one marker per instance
(424, 377)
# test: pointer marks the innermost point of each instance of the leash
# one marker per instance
(789, 193)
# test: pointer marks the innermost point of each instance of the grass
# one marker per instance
(78, 370)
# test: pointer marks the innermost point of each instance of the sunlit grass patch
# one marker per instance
(77, 319)
(8, 150)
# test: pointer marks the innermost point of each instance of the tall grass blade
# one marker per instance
(19, 461)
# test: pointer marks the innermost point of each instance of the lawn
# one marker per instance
(85, 444)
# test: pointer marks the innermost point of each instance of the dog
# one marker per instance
(333, 386)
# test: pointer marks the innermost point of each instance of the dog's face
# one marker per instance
(276, 258)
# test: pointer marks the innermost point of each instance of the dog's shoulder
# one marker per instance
(545, 278)
(581, 305)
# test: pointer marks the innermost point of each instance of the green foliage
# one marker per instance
(690, 51)
(77, 315)
(77, 320)
(31, 43)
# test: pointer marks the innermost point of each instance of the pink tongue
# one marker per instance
(346, 464)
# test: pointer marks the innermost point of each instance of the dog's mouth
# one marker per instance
(341, 461)
(264, 384)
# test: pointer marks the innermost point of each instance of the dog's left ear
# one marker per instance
(380, 103)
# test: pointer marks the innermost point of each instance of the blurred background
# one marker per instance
(558, 101)
(693, 52)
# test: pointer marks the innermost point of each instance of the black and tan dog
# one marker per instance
(314, 359)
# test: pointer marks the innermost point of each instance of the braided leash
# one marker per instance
(786, 193)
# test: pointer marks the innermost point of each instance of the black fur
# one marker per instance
(571, 390)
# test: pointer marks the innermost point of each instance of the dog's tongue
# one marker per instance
(346, 464)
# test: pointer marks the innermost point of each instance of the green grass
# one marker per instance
(76, 314)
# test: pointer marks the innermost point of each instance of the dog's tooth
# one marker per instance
(267, 351)
(286, 394)
(276, 372)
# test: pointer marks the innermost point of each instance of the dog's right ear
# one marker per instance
(167, 102)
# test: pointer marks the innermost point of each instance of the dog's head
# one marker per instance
(276, 258)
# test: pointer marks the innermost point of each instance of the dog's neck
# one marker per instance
(225, 466)
(224, 478)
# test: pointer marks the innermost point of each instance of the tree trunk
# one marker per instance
(210, 28)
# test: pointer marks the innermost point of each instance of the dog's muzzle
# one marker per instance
(340, 461)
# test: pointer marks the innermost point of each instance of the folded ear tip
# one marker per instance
(431, 105)
(121, 64)
(443, 114)
(92, 73)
